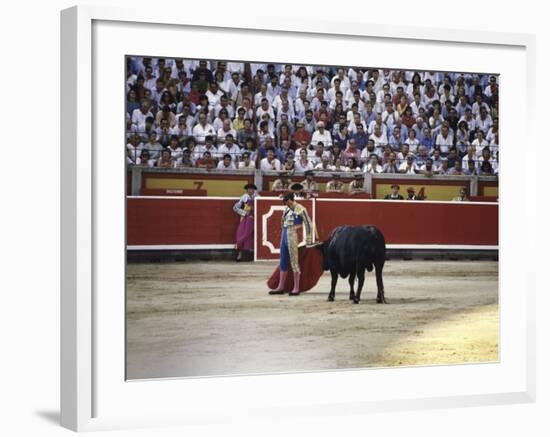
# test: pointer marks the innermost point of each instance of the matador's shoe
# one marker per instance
(281, 287)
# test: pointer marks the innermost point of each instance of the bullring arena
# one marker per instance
(414, 153)
(196, 312)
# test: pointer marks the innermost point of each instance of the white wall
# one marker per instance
(29, 303)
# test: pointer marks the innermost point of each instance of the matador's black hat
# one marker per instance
(247, 186)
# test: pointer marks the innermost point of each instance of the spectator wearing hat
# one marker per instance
(244, 207)
(310, 186)
(411, 194)
(298, 190)
(335, 185)
(394, 195)
(226, 163)
(357, 186)
(323, 135)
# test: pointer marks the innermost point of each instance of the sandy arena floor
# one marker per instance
(216, 318)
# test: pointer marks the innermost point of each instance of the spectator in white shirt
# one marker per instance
(230, 148)
(225, 103)
(409, 166)
(181, 130)
(322, 135)
(202, 129)
(140, 115)
(234, 86)
(373, 166)
(226, 163)
(379, 137)
(444, 140)
(412, 141)
(478, 104)
(303, 163)
(226, 130)
(246, 163)
(484, 121)
(134, 148)
(175, 150)
(208, 146)
(270, 162)
(479, 143)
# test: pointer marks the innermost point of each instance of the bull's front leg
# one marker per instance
(334, 276)
(351, 285)
(380, 298)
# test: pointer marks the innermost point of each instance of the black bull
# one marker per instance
(349, 251)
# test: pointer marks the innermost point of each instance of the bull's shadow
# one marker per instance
(348, 252)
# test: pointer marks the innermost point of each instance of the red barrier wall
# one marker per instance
(401, 222)
(211, 221)
(180, 221)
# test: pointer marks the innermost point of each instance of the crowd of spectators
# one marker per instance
(294, 118)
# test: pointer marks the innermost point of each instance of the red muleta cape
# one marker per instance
(311, 266)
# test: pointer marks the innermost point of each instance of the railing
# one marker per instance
(138, 175)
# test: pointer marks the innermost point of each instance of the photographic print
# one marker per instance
(298, 218)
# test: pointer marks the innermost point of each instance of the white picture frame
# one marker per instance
(87, 375)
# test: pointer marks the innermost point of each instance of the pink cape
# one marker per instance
(311, 265)
(245, 234)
